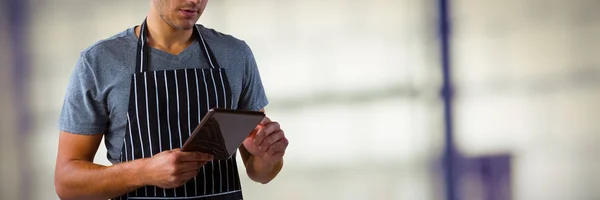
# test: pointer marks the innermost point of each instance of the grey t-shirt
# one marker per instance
(97, 96)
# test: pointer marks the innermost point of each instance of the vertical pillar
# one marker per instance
(18, 34)
(9, 170)
(18, 24)
(450, 156)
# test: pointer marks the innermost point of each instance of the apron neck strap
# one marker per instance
(142, 49)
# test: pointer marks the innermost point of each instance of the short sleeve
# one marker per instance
(82, 113)
(253, 95)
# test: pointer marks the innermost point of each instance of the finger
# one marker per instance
(259, 136)
(271, 139)
(279, 146)
(187, 167)
(267, 130)
(276, 155)
(194, 157)
(206, 157)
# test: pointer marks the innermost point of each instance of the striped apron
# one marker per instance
(164, 108)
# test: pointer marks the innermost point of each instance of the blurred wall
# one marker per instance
(528, 83)
(9, 165)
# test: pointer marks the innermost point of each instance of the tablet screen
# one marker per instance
(221, 132)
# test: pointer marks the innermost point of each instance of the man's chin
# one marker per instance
(182, 25)
(186, 26)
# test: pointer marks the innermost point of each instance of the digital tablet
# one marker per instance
(222, 131)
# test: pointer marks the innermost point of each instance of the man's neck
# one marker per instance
(164, 37)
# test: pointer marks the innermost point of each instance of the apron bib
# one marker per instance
(164, 108)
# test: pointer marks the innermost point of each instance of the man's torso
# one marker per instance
(113, 61)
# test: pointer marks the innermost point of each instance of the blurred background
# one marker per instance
(377, 102)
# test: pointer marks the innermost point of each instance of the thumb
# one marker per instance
(265, 121)
(256, 129)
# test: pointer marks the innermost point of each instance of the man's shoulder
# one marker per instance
(222, 40)
(109, 46)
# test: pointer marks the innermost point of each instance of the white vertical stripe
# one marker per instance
(178, 114)
(187, 89)
(199, 119)
(197, 95)
(169, 119)
(208, 108)
(187, 95)
(217, 101)
(158, 113)
(220, 176)
(206, 90)
(148, 115)
(125, 145)
(179, 122)
(233, 175)
(142, 31)
(206, 50)
(137, 112)
(138, 121)
(227, 172)
(158, 117)
(215, 87)
(131, 140)
(223, 86)
(204, 172)
(168, 113)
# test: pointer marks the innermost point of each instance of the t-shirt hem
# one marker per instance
(257, 107)
(81, 130)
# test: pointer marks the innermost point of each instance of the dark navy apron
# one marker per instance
(164, 108)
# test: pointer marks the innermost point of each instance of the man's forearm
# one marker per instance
(262, 172)
(86, 180)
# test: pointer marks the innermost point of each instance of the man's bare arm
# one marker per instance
(257, 170)
(77, 177)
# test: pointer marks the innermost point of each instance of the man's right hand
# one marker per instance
(173, 168)
(77, 177)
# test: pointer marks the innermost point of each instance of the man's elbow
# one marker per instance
(62, 194)
(60, 188)
(263, 181)
(65, 194)
(256, 178)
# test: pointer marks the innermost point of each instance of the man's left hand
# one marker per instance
(267, 142)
